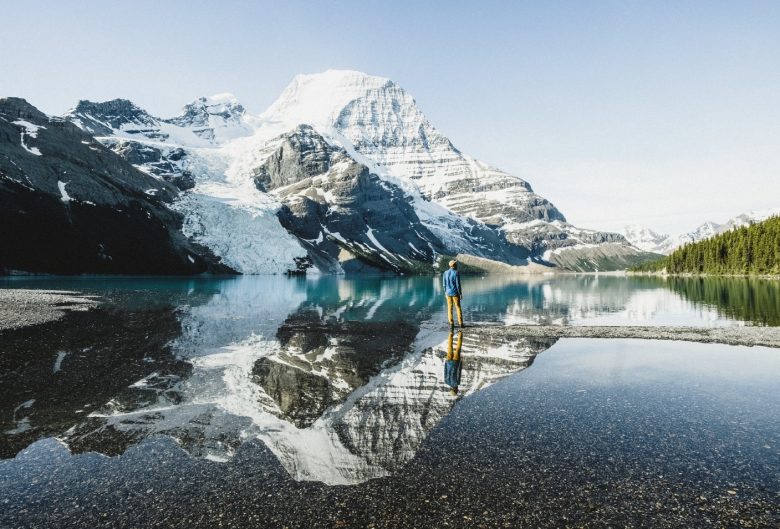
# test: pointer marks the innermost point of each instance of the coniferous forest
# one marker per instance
(750, 250)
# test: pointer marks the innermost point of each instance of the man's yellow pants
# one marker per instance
(454, 300)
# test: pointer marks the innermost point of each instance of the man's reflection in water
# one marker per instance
(453, 364)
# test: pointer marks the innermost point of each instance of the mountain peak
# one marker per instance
(218, 117)
(119, 109)
(340, 78)
(102, 117)
(319, 98)
(19, 107)
(202, 111)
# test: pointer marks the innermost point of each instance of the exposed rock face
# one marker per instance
(343, 212)
(101, 119)
(349, 214)
(70, 205)
(302, 153)
(543, 236)
(497, 199)
(163, 162)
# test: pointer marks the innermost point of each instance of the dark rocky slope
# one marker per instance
(70, 205)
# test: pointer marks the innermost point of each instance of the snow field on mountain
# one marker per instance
(225, 212)
(30, 130)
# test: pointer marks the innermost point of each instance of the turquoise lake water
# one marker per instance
(571, 299)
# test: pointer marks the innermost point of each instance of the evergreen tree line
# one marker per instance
(753, 249)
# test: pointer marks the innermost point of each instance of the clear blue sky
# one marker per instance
(661, 113)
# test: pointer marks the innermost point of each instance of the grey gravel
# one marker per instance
(734, 335)
(21, 307)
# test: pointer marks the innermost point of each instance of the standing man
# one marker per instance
(452, 292)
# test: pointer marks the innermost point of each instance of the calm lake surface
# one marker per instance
(340, 402)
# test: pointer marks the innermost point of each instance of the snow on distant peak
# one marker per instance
(318, 99)
(224, 106)
(648, 240)
(218, 117)
(746, 219)
(224, 98)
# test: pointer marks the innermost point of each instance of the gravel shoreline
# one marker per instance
(21, 308)
(734, 335)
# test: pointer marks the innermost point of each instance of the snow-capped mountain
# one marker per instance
(384, 124)
(343, 172)
(109, 117)
(747, 219)
(650, 241)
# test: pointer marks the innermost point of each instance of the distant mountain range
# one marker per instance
(648, 240)
(343, 173)
(748, 250)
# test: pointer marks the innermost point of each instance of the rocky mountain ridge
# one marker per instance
(343, 173)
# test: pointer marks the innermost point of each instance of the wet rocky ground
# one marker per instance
(595, 434)
(734, 335)
(55, 374)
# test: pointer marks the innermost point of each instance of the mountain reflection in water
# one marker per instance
(337, 400)
(341, 378)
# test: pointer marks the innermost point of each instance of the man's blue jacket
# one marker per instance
(452, 283)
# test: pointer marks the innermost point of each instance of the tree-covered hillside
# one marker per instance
(752, 249)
